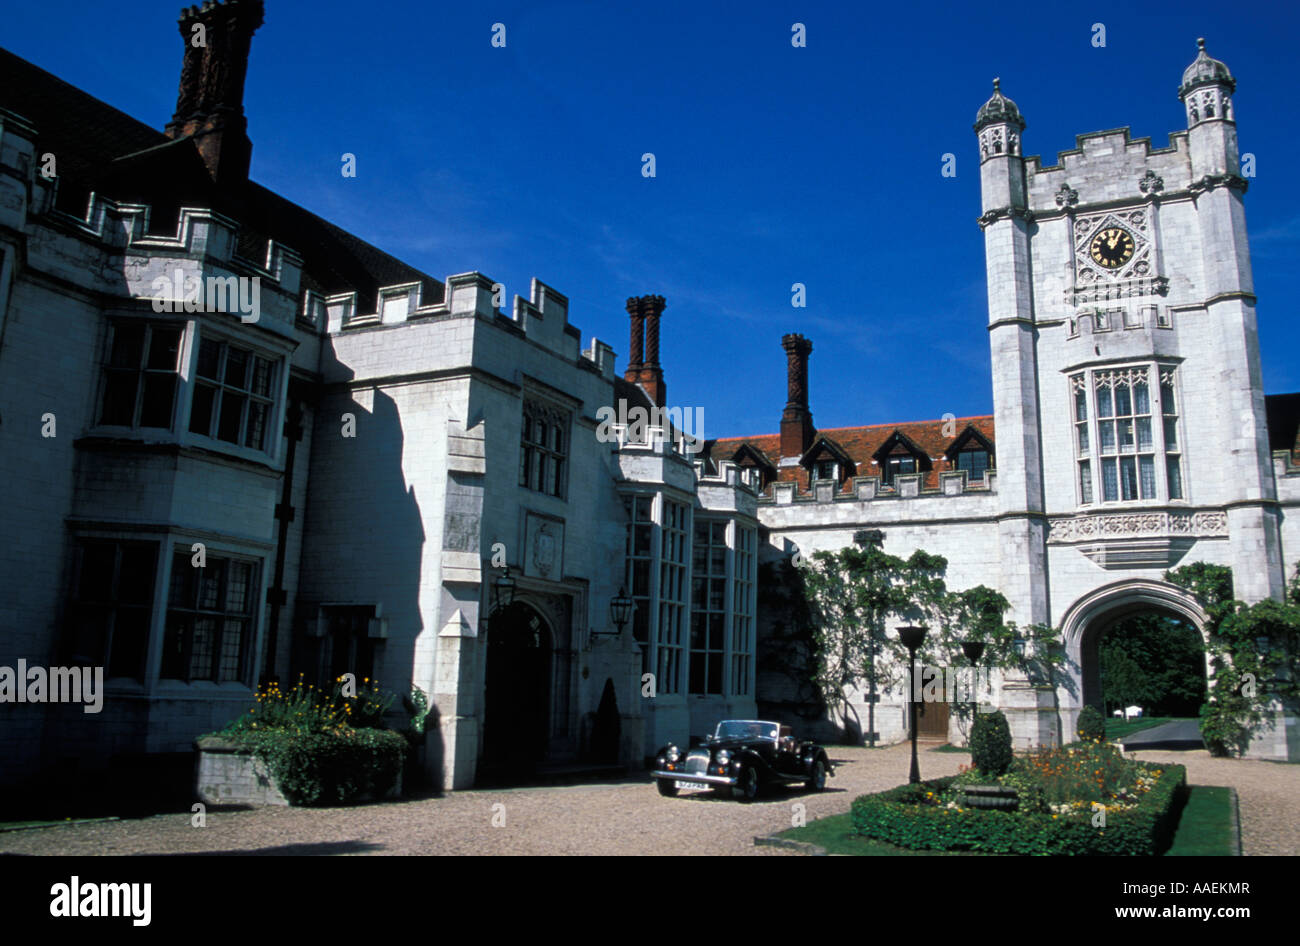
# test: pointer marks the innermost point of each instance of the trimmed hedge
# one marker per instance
(902, 817)
(336, 767)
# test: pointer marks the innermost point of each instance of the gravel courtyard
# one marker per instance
(627, 817)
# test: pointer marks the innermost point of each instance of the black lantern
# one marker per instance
(912, 638)
(621, 607)
(504, 590)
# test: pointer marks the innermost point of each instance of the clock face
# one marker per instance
(1111, 247)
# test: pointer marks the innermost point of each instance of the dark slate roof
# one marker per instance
(861, 444)
(99, 148)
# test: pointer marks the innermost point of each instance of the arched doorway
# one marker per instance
(1088, 620)
(516, 708)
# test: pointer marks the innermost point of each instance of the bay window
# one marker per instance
(1121, 454)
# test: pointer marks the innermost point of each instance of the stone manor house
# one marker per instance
(389, 475)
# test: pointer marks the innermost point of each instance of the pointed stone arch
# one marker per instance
(1088, 618)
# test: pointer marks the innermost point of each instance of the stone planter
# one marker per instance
(228, 775)
(991, 796)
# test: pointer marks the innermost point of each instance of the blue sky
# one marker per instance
(775, 165)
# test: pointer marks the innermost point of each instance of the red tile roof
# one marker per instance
(861, 444)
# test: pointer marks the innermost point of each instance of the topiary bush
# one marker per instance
(990, 743)
(1091, 726)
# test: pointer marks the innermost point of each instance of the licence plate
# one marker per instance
(690, 785)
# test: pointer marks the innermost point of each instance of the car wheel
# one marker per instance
(817, 780)
(747, 790)
(667, 787)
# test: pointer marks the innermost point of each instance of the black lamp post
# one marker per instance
(912, 638)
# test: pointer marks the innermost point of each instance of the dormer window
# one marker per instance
(896, 464)
(826, 460)
(975, 463)
(898, 455)
(973, 452)
(754, 469)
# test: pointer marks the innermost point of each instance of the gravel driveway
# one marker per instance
(627, 817)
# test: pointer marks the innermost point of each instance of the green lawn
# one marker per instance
(1205, 828)
(1118, 728)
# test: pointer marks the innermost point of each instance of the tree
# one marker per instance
(854, 593)
(1254, 655)
(1123, 682)
(1170, 655)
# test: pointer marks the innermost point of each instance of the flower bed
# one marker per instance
(1068, 804)
(306, 747)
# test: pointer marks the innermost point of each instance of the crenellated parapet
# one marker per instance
(542, 318)
(952, 483)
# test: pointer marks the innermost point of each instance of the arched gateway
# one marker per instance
(1086, 621)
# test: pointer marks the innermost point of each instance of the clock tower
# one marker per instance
(1127, 389)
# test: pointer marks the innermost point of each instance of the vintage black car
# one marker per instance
(742, 756)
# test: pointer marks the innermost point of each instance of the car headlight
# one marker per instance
(723, 757)
(673, 754)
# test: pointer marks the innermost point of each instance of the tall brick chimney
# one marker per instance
(644, 368)
(210, 103)
(796, 420)
(636, 347)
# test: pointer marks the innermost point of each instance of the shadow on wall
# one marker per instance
(363, 549)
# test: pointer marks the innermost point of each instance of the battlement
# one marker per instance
(542, 318)
(1108, 166)
(952, 483)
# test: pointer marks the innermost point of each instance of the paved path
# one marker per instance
(627, 817)
(1178, 734)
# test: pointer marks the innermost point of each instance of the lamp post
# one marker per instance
(912, 638)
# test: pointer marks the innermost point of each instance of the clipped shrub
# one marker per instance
(335, 767)
(990, 744)
(1091, 726)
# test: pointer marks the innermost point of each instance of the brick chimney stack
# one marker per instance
(210, 102)
(643, 364)
(796, 420)
(636, 347)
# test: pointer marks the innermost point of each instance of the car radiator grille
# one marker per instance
(697, 763)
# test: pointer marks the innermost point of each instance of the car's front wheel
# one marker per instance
(747, 788)
(817, 779)
(667, 787)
